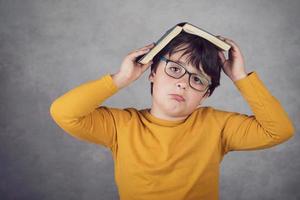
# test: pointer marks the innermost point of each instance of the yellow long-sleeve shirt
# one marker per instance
(156, 159)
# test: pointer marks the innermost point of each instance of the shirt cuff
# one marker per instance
(109, 83)
(253, 88)
(246, 80)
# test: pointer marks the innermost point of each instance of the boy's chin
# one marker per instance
(177, 112)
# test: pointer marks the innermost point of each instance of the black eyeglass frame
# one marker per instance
(186, 71)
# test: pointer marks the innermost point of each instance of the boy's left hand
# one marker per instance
(234, 66)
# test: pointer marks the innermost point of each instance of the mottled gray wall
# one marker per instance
(48, 47)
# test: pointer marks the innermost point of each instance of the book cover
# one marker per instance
(173, 32)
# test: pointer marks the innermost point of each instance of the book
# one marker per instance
(173, 32)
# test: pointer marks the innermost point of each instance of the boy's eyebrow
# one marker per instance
(200, 73)
(179, 61)
(184, 64)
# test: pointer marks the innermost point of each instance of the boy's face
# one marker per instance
(164, 105)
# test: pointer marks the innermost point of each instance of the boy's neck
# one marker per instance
(160, 115)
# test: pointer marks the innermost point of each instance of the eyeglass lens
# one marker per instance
(198, 82)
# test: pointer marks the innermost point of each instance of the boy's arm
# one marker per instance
(269, 126)
(78, 112)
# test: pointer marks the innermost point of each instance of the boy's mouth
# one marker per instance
(178, 97)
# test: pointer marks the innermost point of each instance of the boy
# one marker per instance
(173, 151)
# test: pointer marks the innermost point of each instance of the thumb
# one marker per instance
(222, 57)
(145, 66)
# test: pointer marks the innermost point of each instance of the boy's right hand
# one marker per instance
(130, 69)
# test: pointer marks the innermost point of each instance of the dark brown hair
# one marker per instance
(199, 51)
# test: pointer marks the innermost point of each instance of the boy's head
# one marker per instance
(196, 55)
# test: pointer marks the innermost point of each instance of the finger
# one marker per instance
(137, 53)
(143, 48)
(222, 56)
(147, 46)
(231, 43)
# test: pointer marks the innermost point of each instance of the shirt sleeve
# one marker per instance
(269, 126)
(79, 114)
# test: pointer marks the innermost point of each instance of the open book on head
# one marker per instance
(173, 32)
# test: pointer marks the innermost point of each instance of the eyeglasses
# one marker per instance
(197, 81)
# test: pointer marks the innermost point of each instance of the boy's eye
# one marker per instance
(175, 69)
(197, 80)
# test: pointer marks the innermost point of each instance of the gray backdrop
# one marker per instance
(49, 47)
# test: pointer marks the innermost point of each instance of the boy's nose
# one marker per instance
(181, 85)
(183, 81)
